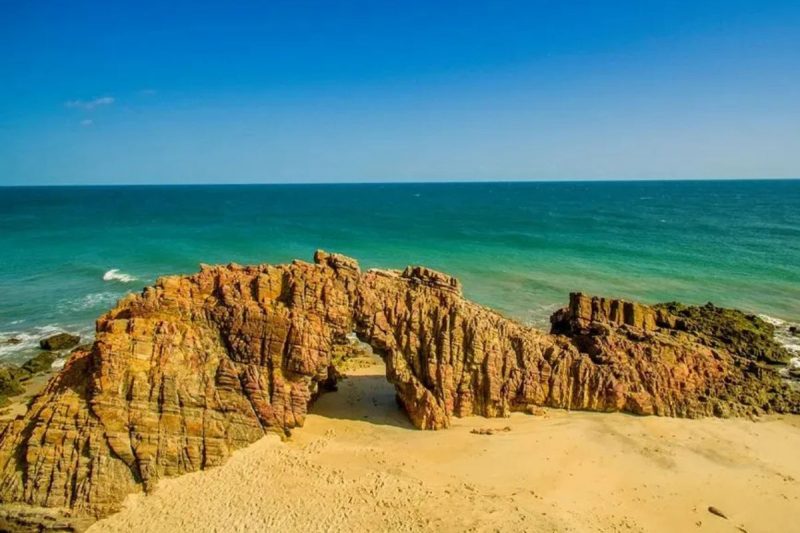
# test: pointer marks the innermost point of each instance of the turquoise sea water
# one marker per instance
(518, 247)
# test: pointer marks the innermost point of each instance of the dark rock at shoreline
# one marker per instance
(41, 363)
(13, 377)
(10, 382)
(741, 334)
(60, 341)
(198, 366)
(13, 340)
(793, 330)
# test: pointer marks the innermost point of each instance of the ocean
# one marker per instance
(68, 253)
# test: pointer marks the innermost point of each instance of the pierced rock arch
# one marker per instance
(198, 366)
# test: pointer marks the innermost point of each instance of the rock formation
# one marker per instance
(198, 366)
(59, 341)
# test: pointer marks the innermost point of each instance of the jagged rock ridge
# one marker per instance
(198, 366)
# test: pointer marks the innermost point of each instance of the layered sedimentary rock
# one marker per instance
(198, 366)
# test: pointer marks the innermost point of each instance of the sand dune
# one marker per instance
(358, 465)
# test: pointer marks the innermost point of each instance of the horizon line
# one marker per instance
(396, 182)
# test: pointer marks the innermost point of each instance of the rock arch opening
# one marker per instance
(361, 391)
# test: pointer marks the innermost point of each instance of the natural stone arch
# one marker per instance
(198, 366)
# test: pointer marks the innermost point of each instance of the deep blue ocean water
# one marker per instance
(517, 247)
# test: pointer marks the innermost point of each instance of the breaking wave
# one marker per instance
(89, 301)
(21, 342)
(18, 346)
(784, 334)
(115, 275)
(789, 340)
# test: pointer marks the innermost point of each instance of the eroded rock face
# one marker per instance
(199, 366)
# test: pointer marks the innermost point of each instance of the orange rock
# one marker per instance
(198, 366)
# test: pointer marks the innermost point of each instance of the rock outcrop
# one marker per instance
(60, 341)
(198, 366)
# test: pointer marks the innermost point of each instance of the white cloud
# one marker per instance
(87, 122)
(88, 105)
(147, 92)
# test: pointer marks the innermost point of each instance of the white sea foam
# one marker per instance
(24, 341)
(538, 316)
(777, 322)
(788, 340)
(89, 301)
(115, 275)
(94, 301)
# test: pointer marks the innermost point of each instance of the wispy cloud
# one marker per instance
(147, 92)
(88, 105)
(87, 122)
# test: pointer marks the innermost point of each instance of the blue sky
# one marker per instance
(197, 92)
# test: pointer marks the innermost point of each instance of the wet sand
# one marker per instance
(358, 465)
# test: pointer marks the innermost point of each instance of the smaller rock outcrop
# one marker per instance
(685, 361)
(585, 312)
(40, 363)
(730, 329)
(60, 341)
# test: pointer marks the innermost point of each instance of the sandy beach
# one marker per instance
(359, 465)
